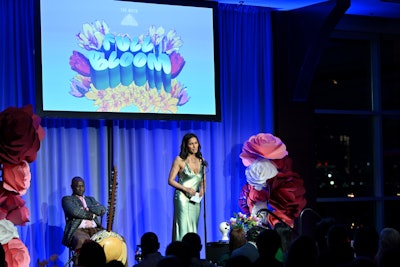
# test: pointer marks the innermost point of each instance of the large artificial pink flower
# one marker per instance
(16, 253)
(20, 135)
(12, 207)
(262, 145)
(17, 178)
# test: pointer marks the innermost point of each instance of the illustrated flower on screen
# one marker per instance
(96, 95)
(171, 42)
(79, 63)
(179, 92)
(262, 145)
(92, 36)
(166, 104)
(16, 253)
(7, 231)
(156, 35)
(177, 64)
(79, 86)
(20, 135)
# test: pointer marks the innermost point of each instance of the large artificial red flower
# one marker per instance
(262, 145)
(20, 135)
(16, 253)
(17, 178)
(284, 194)
(249, 197)
(12, 207)
(287, 194)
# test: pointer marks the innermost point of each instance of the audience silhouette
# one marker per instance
(365, 244)
(150, 246)
(238, 261)
(287, 236)
(91, 255)
(194, 240)
(249, 249)
(338, 250)
(170, 261)
(237, 238)
(330, 246)
(180, 249)
(115, 263)
(303, 251)
(388, 247)
(268, 243)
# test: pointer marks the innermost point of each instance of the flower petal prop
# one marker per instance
(287, 194)
(262, 145)
(259, 172)
(17, 178)
(12, 207)
(20, 135)
(19, 216)
(16, 253)
(271, 183)
(7, 231)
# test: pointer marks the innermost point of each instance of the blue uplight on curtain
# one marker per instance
(142, 151)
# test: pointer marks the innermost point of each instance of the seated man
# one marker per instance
(82, 214)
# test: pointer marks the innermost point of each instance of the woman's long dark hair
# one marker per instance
(185, 151)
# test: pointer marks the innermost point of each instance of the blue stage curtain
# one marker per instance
(141, 150)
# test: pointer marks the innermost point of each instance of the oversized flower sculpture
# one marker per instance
(20, 137)
(271, 183)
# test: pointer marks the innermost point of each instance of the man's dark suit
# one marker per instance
(75, 213)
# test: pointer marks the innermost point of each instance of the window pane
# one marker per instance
(390, 53)
(392, 218)
(349, 213)
(342, 79)
(343, 147)
(391, 155)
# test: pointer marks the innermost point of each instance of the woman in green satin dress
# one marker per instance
(189, 168)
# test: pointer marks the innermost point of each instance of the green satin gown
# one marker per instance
(186, 212)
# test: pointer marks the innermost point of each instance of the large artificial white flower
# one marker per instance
(259, 172)
(8, 231)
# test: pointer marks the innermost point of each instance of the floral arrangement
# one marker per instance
(271, 183)
(118, 71)
(20, 137)
(240, 220)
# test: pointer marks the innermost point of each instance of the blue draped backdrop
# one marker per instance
(142, 150)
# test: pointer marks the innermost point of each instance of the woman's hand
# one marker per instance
(190, 191)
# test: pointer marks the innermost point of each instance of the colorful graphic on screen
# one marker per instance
(107, 56)
(119, 70)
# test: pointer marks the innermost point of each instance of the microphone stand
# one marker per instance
(204, 213)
